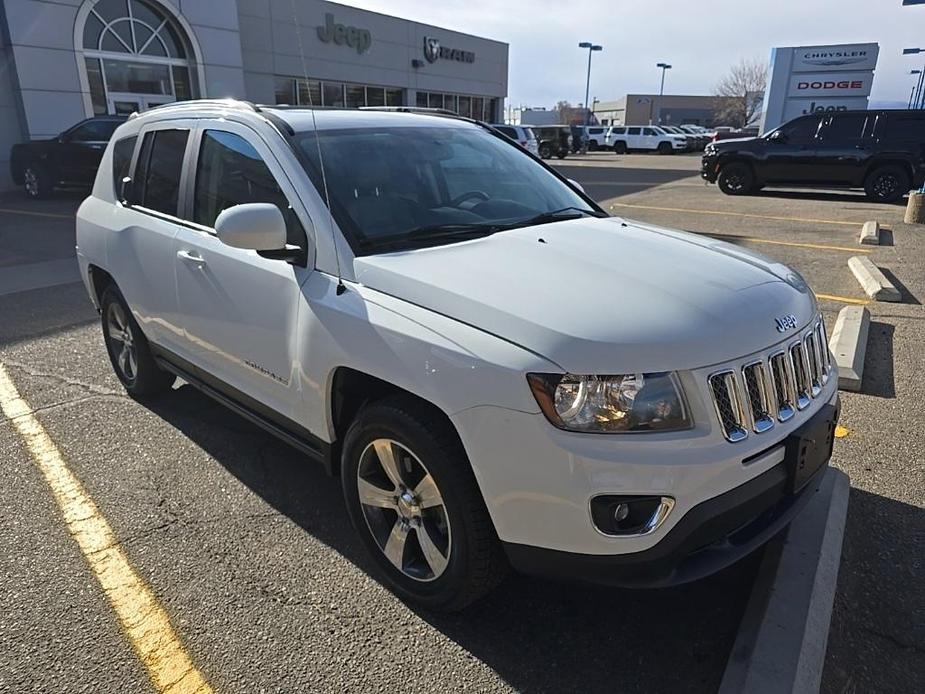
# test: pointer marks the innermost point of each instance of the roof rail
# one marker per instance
(199, 103)
(415, 109)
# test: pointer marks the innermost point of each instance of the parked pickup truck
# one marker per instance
(70, 159)
(501, 374)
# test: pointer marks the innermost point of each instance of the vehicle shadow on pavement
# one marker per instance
(852, 197)
(877, 635)
(878, 361)
(537, 636)
(40, 312)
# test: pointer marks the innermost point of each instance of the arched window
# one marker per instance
(136, 56)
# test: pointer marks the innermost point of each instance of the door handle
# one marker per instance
(191, 257)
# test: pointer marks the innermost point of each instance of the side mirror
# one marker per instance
(778, 137)
(256, 226)
(576, 184)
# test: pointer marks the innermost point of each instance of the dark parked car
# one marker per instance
(882, 152)
(70, 159)
(555, 140)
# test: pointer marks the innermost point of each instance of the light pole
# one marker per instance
(917, 102)
(661, 91)
(591, 48)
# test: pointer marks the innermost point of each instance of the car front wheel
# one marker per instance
(413, 499)
(619, 148)
(736, 179)
(887, 184)
(128, 348)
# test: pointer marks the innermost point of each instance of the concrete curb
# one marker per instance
(781, 642)
(870, 234)
(848, 345)
(873, 282)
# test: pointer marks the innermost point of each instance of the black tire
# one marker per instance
(736, 178)
(545, 151)
(887, 183)
(665, 148)
(474, 560)
(619, 147)
(132, 360)
(592, 146)
(37, 181)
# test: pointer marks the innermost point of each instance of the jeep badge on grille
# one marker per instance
(785, 323)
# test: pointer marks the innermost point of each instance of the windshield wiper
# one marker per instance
(435, 232)
(559, 215)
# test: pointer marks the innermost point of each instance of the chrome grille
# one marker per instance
(773, 389)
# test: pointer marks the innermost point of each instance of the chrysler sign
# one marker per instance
(818, 79)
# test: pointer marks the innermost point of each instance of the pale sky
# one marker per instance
(700, 38)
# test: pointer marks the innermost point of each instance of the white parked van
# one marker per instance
(644, 138)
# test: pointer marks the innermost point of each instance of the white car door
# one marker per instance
(651, 137)
(634, 138)
(240, 309)
(141, 254)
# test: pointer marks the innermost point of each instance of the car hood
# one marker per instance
(602, 295)
(736, 142)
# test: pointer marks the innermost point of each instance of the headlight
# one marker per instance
(611, 404)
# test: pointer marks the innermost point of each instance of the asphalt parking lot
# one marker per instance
(248, 550)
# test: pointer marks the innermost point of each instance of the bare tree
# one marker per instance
(740, 94)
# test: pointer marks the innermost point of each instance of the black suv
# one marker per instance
(71, 158)
(882, 152)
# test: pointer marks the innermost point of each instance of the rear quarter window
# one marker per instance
(122, 152)
(906, 127)
(160, 163)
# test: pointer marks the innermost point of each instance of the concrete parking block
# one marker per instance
(781, 643)
(872, 280)
(848, 345)
(870, 233)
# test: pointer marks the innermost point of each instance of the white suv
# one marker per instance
(501, 374)
(623, 139)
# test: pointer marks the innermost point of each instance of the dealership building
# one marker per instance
(65, 60)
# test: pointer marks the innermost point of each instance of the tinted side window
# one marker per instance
(839, 128)
(159, 166)
(230, 172)
(801, 131)
(633, 131)
(510, 132)
(618, 131)
(905, 127)
(121, 161)
(650, 131)
(93, 131)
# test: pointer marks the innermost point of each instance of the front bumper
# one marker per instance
(711, 536)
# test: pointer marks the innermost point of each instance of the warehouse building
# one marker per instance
(65, 60)
(670, 109)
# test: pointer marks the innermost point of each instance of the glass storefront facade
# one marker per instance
(478, 107)
(301, 92)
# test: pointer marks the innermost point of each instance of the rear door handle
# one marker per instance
(191, 257)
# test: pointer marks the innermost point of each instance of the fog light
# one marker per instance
(629, 515)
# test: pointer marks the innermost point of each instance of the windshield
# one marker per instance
(408, 187)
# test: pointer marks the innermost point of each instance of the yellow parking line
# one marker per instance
(842, 299)
(32, 213)
(143, 620)
(736, 214)
(752, 239)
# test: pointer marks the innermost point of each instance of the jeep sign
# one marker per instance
(358, 39)
(817, 79)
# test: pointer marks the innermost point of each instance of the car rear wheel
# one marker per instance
(736, 179)
(887, 184)
(36, 181)
(665, 148)
(592, 145)
(413, 499)
(545, 151)
(128, 349)
(619, 148)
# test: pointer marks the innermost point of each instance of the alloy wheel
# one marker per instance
(885, 185)
(122, 341)
(404, 510)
